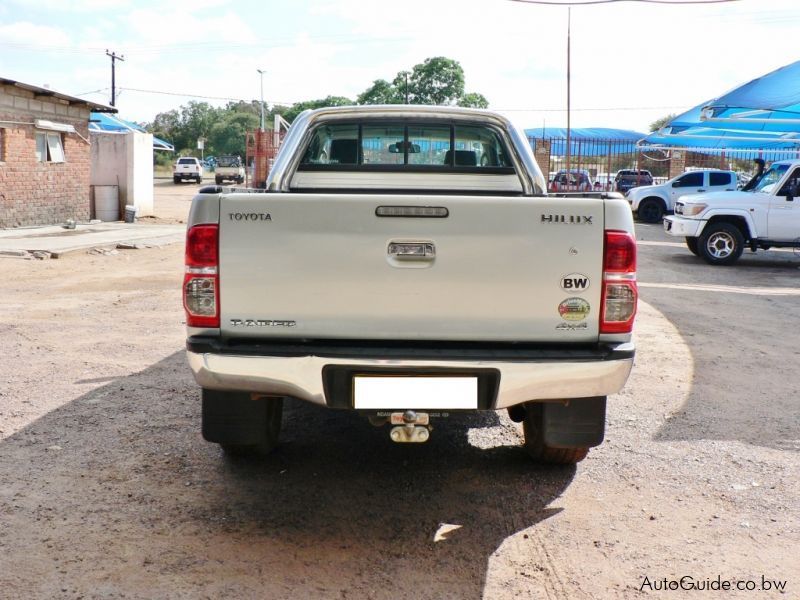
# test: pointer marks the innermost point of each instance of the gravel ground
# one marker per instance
(107, 489)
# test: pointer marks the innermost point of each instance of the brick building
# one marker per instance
(45, 155)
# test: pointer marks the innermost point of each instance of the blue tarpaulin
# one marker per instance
(585, 141)
(761, 114)
(111, 124)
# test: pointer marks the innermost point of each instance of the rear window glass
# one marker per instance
(409, 145)
(187, 161)
(229, 161)
(720, 178)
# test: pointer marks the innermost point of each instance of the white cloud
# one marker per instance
(27, 33)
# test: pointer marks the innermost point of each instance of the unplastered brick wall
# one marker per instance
(41, 193)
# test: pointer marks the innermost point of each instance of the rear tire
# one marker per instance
(691, 244)
(218, 180)
(533, 426)
(241, 425)
(720, 243)
(650, 211)
(176, 180)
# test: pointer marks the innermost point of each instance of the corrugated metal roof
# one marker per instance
(41, 91)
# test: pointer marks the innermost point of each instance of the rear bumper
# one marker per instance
(513, 375)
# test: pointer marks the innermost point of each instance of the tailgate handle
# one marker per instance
(412, 250)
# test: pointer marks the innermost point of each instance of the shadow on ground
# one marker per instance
(745, 355)
(115, 494)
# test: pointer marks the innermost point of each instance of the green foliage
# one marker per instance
(299, 107)
(381, 92)
(438, 80)
(659, 123)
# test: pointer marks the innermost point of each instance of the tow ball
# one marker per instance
(410, 427)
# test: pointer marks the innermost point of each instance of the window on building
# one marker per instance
(49, 147)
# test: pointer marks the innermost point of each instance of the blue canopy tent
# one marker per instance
(761, 114)
(587, 141)
(107, 123)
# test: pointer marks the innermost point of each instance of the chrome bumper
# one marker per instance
(301, 376)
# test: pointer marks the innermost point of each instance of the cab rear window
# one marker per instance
(406, 146)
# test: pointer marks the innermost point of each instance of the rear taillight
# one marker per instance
(201, 280)
(620, 295)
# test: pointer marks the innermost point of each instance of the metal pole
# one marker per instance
(114, 57)
(569, 20)
(406, 74)
(261, 73)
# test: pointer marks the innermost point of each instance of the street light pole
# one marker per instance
(261, 73)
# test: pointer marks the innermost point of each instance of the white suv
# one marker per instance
(188, 167)
(650, 202)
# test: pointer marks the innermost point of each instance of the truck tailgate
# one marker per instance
(325, 266)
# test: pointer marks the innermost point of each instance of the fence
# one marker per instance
(601, 159)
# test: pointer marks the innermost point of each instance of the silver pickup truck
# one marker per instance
(406, 262)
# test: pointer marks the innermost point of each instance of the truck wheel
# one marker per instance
(533, 426)
(650, 210)
(176, 180)
(199, 180)
(691, 244)
(241, 425)
(218, 180)
(720, 244)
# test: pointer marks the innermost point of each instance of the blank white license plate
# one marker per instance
(415, 392)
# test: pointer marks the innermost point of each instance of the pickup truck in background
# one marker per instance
(405, 262)
(187, 167)
(229, 168)
(718, 226)
(651, 202)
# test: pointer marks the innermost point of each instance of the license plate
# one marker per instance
(370, 392)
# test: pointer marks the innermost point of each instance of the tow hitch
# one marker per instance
(410, 427)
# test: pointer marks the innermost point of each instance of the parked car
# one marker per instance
(606, 181)
(626, 179)
(229, 167)
(188, 167)
(650, 202)
(718, 226)
(575, 181)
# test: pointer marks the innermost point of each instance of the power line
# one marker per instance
(203, 96)
(587, 2)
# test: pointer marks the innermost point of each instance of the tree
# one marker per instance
(227, 136)
(380, 92)
(438, 80)
(299, 107)
(474, 100)
(659, 123)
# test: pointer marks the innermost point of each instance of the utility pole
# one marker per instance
(261, 73)
(114, 58)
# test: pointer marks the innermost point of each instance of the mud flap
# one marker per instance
(233, 418)
(580, 423)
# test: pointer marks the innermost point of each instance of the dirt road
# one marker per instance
(107, 489)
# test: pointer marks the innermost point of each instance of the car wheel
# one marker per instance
(720, 244)
(533, 427)
(243, 426)
(218, 180)
(176, 180)
(691, 244)
(650, 211)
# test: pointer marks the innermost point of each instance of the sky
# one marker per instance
(631, 62)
